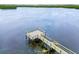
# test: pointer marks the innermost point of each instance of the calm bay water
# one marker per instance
(59, 23)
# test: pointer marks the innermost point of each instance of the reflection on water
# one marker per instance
(59, 23)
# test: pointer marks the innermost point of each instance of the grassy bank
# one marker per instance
(8, 6)
(39, 6)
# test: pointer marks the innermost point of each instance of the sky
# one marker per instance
(39, 2)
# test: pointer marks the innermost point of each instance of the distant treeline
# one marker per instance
(39, 6)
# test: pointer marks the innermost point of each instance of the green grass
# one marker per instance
(7, 6)
(39, 6)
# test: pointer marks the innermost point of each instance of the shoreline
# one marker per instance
(39, 6)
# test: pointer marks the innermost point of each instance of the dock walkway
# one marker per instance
(54, 44)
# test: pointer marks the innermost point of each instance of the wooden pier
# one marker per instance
(54, 44)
